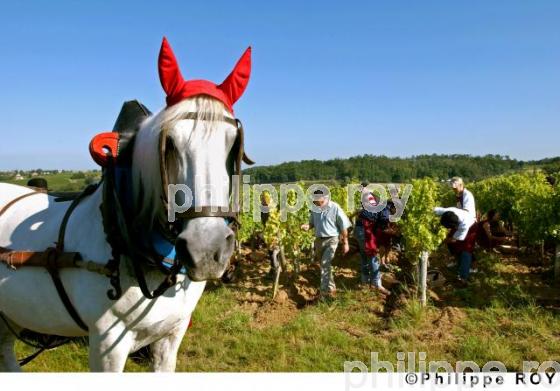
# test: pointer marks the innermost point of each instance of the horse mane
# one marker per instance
(146, 174)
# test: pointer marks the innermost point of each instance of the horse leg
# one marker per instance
(164, 350)
(108, 351)
(8, 360)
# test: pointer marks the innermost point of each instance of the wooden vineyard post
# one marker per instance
(422, 230)
(276, 281)
(277, 269)
(296, 267)
(422, 277)
(238, 246)
(283, 261)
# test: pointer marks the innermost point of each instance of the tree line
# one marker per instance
(385, 169)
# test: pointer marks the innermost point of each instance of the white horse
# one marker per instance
(28, 298)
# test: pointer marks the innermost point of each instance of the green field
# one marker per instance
(64, 181)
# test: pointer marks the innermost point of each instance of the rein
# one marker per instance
(43, 342)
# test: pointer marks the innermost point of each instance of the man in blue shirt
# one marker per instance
(331, 226)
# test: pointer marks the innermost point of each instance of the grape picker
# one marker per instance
(330, 223)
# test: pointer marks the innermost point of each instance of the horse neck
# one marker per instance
(86, 221)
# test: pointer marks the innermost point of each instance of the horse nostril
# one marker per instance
(181, 247)
(180, 243)
(226, 248)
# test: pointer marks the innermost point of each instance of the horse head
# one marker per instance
(194, 142)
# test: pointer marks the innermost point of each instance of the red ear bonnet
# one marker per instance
(177, 89)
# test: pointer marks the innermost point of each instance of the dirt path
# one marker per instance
(253, 287)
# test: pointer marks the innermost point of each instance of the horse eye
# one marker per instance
(169, 145)
(171, 154)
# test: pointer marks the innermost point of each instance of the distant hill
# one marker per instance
(58, 180)
(395, 169)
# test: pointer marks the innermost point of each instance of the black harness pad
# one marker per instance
(131, 116)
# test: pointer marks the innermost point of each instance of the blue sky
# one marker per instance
(330, 79)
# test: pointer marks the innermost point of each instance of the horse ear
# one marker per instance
(234, 85)
(169, 74)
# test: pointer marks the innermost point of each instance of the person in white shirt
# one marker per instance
(465, 199)
(461, 238)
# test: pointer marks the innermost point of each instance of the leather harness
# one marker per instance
(53, 258)
(15, 200)
(120, 232)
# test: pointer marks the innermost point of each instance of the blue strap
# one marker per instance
(123, 184)
(166, 249)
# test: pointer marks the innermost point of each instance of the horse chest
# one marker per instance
(157, 317)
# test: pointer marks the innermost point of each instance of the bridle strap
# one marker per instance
(210, 211)
(207, 211)
(163, 167)
(243, 156)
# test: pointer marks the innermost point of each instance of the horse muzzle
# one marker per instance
(205, 248)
